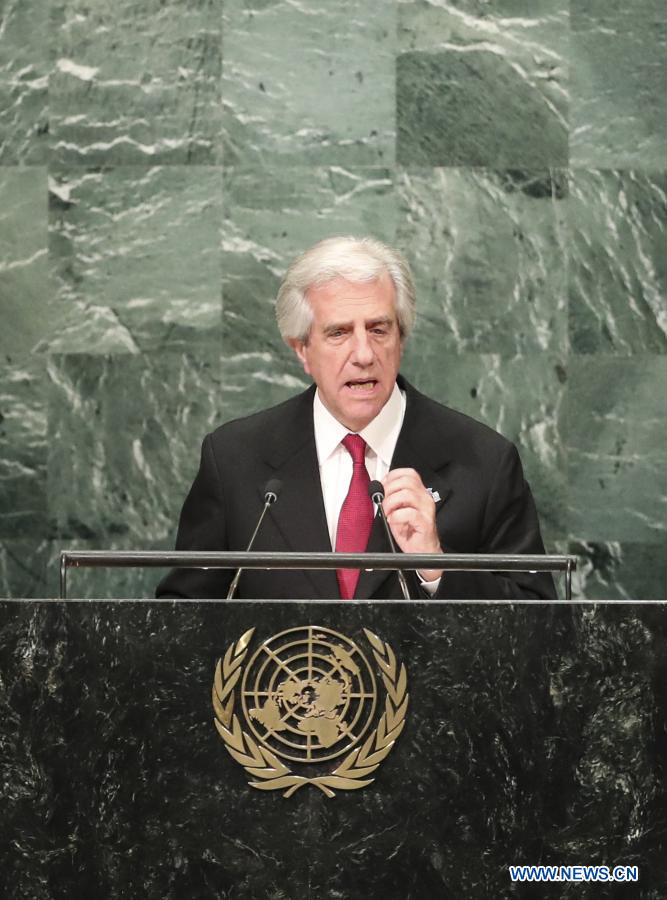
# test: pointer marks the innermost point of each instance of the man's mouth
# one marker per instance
(360, 386)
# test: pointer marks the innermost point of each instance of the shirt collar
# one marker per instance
(381, 434)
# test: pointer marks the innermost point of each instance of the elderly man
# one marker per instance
(346, 307)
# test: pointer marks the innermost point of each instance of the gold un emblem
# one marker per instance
(308, 696)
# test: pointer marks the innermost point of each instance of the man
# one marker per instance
(346, 307)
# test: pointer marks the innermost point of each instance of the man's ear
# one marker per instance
(299, 348)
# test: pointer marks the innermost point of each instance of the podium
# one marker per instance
(534, 733)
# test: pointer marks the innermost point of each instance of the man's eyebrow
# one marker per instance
(335, 326)
(370, 323)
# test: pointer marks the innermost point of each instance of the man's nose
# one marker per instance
(362, 350)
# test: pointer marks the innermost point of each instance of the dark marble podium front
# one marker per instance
(536, 734)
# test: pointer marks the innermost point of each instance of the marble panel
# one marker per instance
(482, 84)
(619, 84)
(489, 254)
(615, 433)
(619, 571)
(255, 381)
(23, 450)
(24, 66)
(124, 440)
(270, 217)
(521, 398)
(25, 567)
(309, 82)
(26, 307)
(136, 83)
(135, 254)
(618, 264)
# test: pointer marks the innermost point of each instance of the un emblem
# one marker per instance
(309, 696)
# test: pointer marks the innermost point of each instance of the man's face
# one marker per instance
(354, 347)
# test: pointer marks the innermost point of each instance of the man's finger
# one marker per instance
(404, 478)
(409, 497)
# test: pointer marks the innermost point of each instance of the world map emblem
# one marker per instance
(306, 709)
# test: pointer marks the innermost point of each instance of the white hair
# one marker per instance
(352, 258)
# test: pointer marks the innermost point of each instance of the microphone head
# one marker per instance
(376, 491)
(272, 490)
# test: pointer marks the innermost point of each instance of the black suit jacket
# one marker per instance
(485, 504)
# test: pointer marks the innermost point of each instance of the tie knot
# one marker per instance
(356, 447)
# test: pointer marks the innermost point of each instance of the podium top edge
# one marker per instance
(323, 560)
(320, 602)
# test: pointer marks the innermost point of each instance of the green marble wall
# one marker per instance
(160, 163)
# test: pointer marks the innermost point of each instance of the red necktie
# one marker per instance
(356, 515)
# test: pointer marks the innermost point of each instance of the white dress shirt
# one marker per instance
(335, 462)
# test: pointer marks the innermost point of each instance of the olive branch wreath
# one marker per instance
(272, 774)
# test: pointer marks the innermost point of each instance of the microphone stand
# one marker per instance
(376, 492)
(271, 492)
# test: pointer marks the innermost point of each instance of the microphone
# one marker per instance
(271, 494)
(376, 492)
(272, 490)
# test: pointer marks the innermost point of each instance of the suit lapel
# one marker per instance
(419, 448)
(299, 514)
